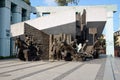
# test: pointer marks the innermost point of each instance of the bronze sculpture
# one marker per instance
(26, 51)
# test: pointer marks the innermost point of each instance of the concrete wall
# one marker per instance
(96, 14)
(40, 9)
(40, 38)
(98, 11)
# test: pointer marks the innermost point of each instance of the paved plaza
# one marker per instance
(97, 69)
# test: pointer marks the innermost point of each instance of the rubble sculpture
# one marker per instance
(60, 48)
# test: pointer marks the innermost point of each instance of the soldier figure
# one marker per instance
(27, 39)
(54, 46)
(20, 45)
(17, 45)
(74, 45)
(68, 51)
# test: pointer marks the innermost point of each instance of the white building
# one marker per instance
(11, 11)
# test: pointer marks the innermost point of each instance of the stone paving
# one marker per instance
(96, 69)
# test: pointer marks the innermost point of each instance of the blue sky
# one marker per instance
(85, 2)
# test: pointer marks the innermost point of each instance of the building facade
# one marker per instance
(117, 43)
(117, 36)
(11, 11)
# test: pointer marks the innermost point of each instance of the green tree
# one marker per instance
(116, 43)
(27, 1)
(102, 41)
(65, 2)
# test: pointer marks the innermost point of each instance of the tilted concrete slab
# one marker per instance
(17, 29)
(53, 20)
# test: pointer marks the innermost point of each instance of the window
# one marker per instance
(13, 7)
(2, 3)
(45, 13)
(13, 10)
(24, 14)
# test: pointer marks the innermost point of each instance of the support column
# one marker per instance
(109, 34)
(5, 29)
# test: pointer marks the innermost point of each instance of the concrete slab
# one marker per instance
(108, 74)
(97, 69)
(55, 72)
(86, 72)
(116, 67)
(29, 70)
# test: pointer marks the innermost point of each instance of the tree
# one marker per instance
(65, 2)
(27, 1)
(116, 43)
(102, 41)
